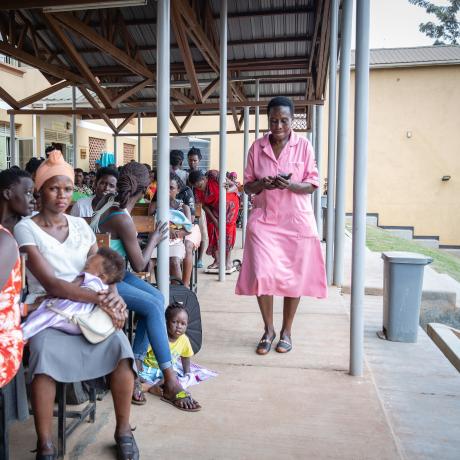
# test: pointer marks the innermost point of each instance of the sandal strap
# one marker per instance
(285, 341)
(127, 446)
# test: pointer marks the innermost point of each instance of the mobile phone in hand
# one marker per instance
(285, 176)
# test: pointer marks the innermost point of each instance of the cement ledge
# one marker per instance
(448, 341)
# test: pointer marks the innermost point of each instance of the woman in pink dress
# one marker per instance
(282, 253)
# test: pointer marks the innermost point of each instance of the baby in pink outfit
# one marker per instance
(101, 269)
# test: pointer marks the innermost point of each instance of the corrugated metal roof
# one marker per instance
(410, 57)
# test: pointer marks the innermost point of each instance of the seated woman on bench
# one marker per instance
(57, 246)
(141, 297)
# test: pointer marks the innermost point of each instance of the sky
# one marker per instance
(394, 24)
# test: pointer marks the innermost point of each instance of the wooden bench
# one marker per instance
(140, 209)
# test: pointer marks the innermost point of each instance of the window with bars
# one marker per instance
(63, 138)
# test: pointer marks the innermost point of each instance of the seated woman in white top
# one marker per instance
(106, 182)
(57, 246)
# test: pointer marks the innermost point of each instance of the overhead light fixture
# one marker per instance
(445, 178)
(93, 5)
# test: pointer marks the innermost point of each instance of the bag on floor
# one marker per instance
(183, 295)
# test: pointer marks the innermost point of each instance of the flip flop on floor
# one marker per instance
(181, 396)
(264, 345)
(138, 397)
(284, 346)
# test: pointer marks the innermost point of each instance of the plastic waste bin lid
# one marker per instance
(401, 257)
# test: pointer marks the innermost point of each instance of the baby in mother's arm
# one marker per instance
(101, 269)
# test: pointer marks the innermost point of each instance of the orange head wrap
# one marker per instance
(54, 165)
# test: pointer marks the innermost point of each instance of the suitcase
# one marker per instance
(185, 296)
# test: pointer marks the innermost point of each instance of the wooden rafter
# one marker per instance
(187, 119)
(130, 91)
(125, 122)
(78, 60)
(210, 88)
(10, 100)
(41, 94)
(197, 34)
(99, 111)
(175, 122)
(103, 45)
(180, 96)
(56, 71)
(181, 37)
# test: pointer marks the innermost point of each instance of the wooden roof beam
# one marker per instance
(181, 37)
(187, 119)
(103, 45)
(99, 110)
(210, 89)
(9, 99)
(175, 122)
(40, 64)
(41, 94)
(125, 122)
(198, 36)
(78, 60)
(132, 90)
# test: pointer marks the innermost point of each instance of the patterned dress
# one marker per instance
(210, 198)
(11, 341)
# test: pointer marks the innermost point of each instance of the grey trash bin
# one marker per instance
(402, 294)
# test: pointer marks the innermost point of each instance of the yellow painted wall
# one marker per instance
(414, 121)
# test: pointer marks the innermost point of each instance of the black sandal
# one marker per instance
(40, 456)
(127, 448)
(264, 345)
(284, 346)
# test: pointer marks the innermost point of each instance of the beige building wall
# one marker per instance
(413, 142)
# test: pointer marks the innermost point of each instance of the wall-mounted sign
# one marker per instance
(83, 154)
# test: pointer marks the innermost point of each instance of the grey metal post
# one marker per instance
(319, 161)
(115, 149)
(163, 90)
(257, 112)
(331, 140)
(245, 162)
(222, 137)
(139, 137)
(12, 141)
(313, 126)
(342, 141)
(359, 186)
(74, 127)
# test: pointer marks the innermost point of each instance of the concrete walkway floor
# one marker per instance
(302, 405)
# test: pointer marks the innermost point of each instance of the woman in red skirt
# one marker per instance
(207, 192)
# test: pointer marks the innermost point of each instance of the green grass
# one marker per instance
(379, 240)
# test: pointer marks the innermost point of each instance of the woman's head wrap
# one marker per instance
(54, 165)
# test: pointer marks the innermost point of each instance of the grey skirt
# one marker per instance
(71, 358)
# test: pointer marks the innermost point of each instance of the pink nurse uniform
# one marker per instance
(282, 252)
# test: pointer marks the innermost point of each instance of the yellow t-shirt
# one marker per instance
(180, 348)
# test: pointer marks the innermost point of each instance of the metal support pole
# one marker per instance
(245, 162)
(34, 135)
(313, 126)
(13, 160)
(223, 138)
(163, 90)
(115, 149)
(139, 137)
(319, 161)
(359, 186)
(257, 112)
(331, 140)
(342, 141)
(74, 127)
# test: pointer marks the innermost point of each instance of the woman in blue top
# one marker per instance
(139, 295)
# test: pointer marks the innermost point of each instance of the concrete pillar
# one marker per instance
(331, 140)
(319, 161)
(342, 141)
(359, 187)
(13, 158)
(257, 112)
(163, 93)
(222, 137)
(139, 137)
(74, 127)
(245, 162)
